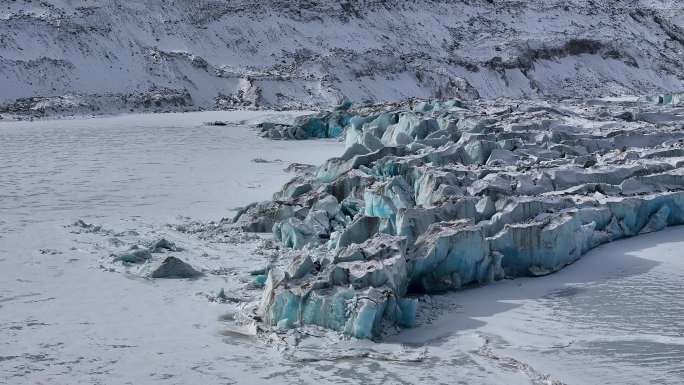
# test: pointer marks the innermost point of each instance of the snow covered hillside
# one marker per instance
(70, 56)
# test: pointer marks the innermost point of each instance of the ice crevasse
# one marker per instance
(448, 195)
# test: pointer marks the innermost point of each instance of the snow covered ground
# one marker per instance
(614, 317)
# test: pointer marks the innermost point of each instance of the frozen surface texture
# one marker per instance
(452, 194)
(101, 56)
(70, 314)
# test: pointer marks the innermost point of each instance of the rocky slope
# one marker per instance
(62, 56)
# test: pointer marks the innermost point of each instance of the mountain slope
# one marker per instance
(112, 55)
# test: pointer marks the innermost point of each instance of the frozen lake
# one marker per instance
(615, 317)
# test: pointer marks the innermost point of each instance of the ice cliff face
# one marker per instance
(114, 55)
(452, 194)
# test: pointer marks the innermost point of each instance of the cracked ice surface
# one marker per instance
(448, 195)
(66, 315)
(613, 318)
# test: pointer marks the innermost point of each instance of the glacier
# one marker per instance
(446, 195)
(566, 327)
(322, 125)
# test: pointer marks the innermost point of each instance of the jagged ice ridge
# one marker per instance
(448, 195)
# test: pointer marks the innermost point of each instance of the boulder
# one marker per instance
(172, 267)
